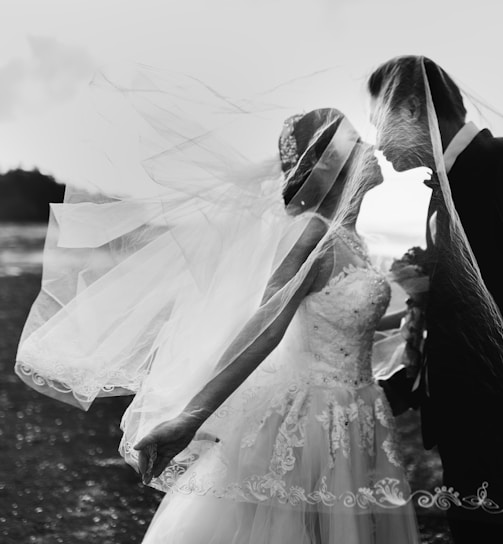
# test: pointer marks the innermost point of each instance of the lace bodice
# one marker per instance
(339, 324)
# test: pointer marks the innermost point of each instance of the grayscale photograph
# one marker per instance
(250, 290)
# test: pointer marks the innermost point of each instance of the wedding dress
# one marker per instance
(311, 455)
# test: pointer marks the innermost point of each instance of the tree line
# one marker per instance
(25, 195)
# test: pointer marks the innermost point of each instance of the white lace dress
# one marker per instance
(310, 456)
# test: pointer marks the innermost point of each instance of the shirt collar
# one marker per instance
(459, 143)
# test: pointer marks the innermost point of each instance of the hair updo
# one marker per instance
(302, 142)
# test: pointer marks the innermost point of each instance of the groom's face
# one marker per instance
(402, 132)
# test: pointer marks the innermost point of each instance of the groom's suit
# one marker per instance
(459, 412)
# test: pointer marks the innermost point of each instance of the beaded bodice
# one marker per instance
(339, 323)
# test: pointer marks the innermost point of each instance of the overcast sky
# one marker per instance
(50, 49)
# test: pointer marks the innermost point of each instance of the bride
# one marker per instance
(242, 317)
(290, 464)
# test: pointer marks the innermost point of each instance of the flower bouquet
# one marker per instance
(412, 273)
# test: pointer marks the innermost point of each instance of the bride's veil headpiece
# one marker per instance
(288, 152)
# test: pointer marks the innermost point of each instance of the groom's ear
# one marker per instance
(412, 108)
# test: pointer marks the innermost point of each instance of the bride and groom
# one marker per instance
(458, 397)
(283, 435)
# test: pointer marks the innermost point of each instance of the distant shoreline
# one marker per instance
(25, 196)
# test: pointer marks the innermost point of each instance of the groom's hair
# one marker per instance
(406, 77)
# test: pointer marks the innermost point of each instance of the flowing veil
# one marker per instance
(133, 282)
(145, 289)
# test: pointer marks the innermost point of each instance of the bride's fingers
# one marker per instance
(143, 461)
(146, 458)
(160, 464)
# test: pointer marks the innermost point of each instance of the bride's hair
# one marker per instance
(301, 144)
(404, 73)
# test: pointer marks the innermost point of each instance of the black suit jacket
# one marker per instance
(454, 372)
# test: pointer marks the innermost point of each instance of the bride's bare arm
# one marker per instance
(173, 436)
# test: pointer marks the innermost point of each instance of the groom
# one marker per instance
(460, 413)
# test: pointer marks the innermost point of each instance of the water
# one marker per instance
(21, 248)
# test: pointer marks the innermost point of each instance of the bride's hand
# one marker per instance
(162, 443)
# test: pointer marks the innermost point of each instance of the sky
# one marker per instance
(51, 50)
